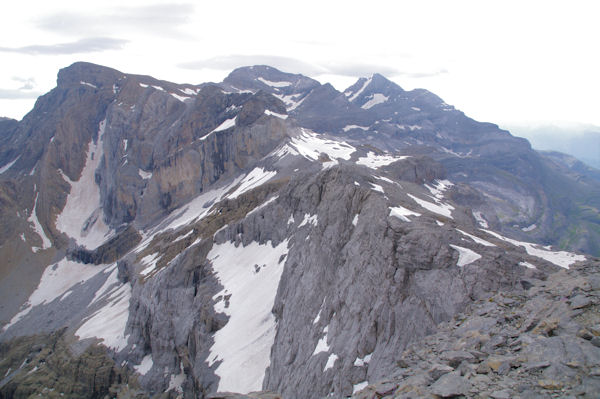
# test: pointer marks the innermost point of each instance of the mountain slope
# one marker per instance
(266, 232)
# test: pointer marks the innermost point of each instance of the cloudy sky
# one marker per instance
(508, 62)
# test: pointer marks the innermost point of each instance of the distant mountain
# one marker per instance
(272, 233)
(580, 141)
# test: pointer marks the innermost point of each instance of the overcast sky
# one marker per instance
(508, 62)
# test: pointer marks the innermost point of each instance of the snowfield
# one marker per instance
(251, 276)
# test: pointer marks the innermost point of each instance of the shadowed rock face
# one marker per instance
(360, 221)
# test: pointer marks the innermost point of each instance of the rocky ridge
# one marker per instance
(541, 340)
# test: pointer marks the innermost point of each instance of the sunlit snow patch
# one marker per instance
(108, 324)
(480, 220)
(476, 239)
(351, 127)
(82, 218)
(438, 188)
(257, 177)
(8, 165)
(310, 145)
(440, 209)
(375, 99)
(33, 219)
(465, 255)
(402, 213)
(251, 276)
(56, 280)
(559, 258)
(374, 161)
(145, 365)
(274, 84)
(271, 113)
(223, 126)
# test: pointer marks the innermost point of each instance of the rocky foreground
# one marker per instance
(541, 341)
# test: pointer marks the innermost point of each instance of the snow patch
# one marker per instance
(559, 258)
(271, 113)
(359, 362)
(364, 86)
(440, 209)
(527, 265)
(529, 228)
(359, 387)
(56, 280)
(257, 177)
(350, 127)
(374, 161)
(223, 126)
(8, 165)
(322, 345)
(88, 84)
(108, 324)
(144, 175)
(82, 218)
(465, 255)
(330, 361)
(37, 227)
(375, 99)
(251, 276)
(355, 220)
(310, 145)
(145, 365)
(402, 213)
(274, 84)
(377, 187)
(438, 188)
(480, 219)
(476, 239)
(314, 220)
(263, 205)
(180, 98)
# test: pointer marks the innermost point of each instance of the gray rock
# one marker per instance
(503, 394)
(580, 301)
(449, 385)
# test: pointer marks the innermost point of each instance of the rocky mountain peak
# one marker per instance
(85, 72)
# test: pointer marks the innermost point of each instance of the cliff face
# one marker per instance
(267, 232)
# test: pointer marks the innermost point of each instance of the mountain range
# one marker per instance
(271, 234)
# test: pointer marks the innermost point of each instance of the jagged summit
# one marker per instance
(263, 233)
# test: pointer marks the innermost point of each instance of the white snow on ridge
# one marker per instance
(274, 84)
(225, 125)
(559, 258)
(440, 209)
(465, 255)
(82, 218)
(257, 177)
(350, 127)
(476, 239)
(9, 165)
(56, 280)
(33, 219)
(251, 276)
(402, 213)
(180, 98)
(310, 145)
(271, 113)
(376, 98)
(374, 161)
(88, 84)
(364, 86)
(359, 362)
(377, 187)
(359, 387)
